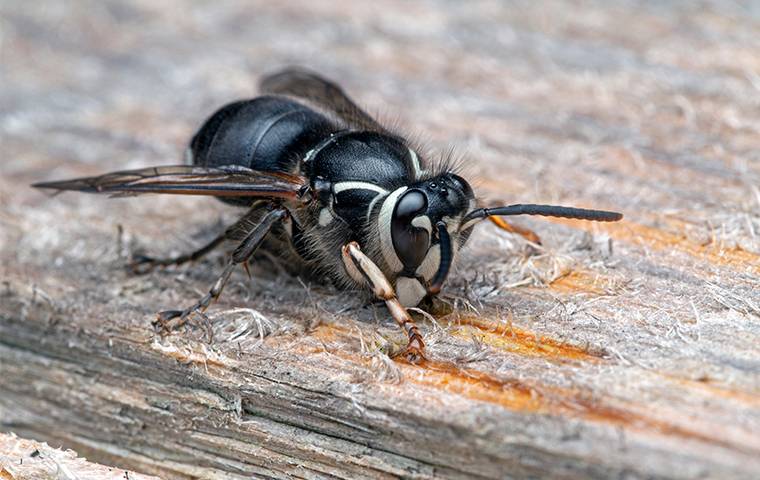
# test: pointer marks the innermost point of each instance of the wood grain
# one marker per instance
(22, 459)
(616, 350)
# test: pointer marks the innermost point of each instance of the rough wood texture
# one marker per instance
(22, 459)
(626, 350)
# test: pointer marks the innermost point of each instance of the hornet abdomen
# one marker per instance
(266, 133)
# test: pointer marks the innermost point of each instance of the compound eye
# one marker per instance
(461, 184)
(410, 205)
(410, 242)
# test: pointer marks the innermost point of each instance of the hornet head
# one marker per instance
(420, 233)
(422, 226)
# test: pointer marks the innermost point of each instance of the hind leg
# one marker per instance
(142, 264)
(247, 247)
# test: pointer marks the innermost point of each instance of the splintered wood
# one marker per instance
(611, 350)
(22, 459)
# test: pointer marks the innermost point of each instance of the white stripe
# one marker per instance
(372, 204)
(430, 264)
(471, 206)
(423, 221)
(342, 186)
(384, 228)
(416, 171)
(409, 291)
(469, 224)
(309, 155)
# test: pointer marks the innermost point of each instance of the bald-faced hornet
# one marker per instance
(346, 196)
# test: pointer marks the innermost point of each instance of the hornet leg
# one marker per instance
(527, 234)
(144, 264)
(242, 253)
(354, 258)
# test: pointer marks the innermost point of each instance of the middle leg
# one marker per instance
(142, 264)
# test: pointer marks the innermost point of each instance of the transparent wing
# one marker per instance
(188, 180)
(304, 84)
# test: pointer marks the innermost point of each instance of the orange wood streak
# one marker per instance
(748, 398)
(518, 396)
(643, 235)
(511, 394)
(580, 281)
(513, 339)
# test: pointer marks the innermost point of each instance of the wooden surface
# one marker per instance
(624, 350)
(22, 459)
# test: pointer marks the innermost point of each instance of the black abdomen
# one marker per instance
(266, 133)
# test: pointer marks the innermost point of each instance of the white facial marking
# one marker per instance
(409, 291)
(384, 228)
(430, 264)
(342, 186)
(325, 217)
(423, 221)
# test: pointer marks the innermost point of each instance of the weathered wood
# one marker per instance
(22, 459)
(626, 350)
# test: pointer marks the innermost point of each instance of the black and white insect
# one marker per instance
(329, 188)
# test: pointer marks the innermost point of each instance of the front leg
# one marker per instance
(355, 260)
(242, 253)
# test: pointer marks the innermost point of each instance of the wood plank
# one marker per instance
(626, 349)
(22, 459)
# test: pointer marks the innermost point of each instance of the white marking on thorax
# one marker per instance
(309, 156)
(343, 186)
(409, 291)
(384, 229)
(349, 185)
(415, 160)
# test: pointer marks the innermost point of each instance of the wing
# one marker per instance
(304, 84)
(189, 180)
